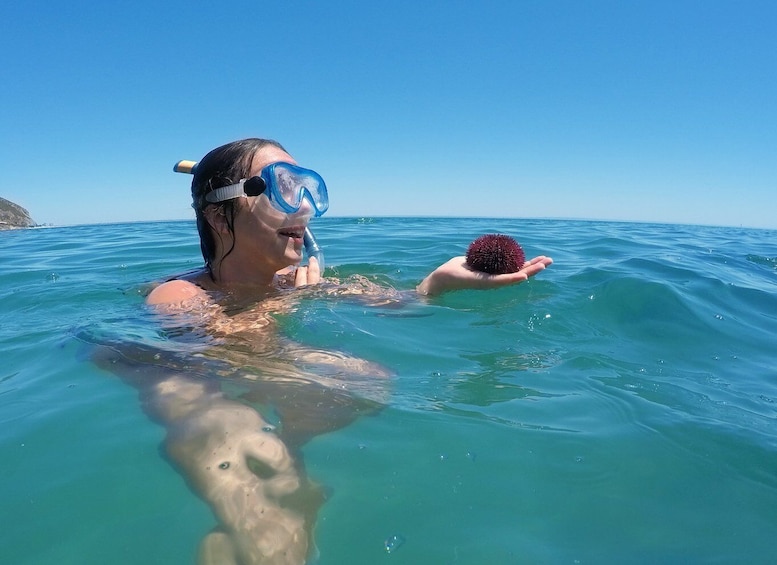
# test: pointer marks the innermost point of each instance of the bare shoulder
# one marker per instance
(174, 291)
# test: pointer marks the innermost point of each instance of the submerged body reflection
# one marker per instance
(237, 411)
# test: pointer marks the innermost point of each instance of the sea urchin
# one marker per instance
(495, 254)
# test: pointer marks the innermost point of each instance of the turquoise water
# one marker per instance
(619, 408)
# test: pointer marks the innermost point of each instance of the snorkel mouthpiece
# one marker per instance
(311, 245)
(312, 248)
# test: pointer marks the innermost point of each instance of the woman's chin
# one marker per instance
(294, 257)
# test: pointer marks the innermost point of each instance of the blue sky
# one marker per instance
(646, 111)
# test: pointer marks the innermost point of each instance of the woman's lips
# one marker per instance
(295, 232)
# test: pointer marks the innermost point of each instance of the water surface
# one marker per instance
(620, 407)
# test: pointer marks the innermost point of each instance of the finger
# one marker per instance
(314, 271)
(539, 259)
(301, 276)
(533, 268)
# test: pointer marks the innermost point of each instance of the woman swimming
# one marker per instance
(253, 204)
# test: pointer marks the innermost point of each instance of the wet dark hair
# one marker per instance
(223, 166)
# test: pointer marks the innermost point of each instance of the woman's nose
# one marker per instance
(306, 207)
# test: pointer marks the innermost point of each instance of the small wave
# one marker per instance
(769, 262)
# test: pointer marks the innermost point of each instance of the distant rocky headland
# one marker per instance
(13, 216)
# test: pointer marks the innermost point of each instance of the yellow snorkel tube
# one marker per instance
(311, 245)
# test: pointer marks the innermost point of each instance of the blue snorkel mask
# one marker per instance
(286, 186)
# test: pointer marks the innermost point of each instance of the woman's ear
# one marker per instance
(217, 219)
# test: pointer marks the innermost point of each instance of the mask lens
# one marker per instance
(293, 184)
(290, 186)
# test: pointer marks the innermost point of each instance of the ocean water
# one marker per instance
(621, 407)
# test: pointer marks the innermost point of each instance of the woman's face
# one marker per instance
(263, 233)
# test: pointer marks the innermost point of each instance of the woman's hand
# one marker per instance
(308, 275)
(457, 275)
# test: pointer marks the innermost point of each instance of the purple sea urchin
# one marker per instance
(495, 254)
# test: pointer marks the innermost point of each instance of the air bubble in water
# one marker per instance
(224, 465)
(393, 543)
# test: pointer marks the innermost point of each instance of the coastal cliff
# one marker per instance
(13, 216)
